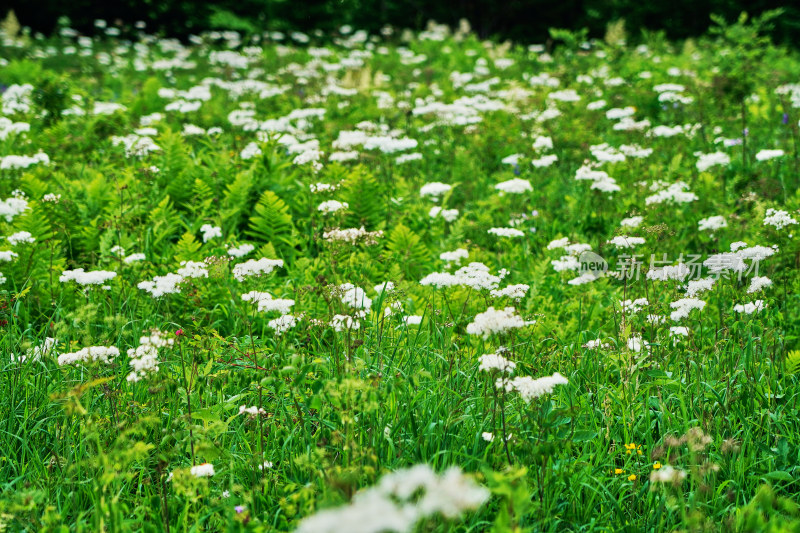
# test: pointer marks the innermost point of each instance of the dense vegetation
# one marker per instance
(525, 21)
(405, 281)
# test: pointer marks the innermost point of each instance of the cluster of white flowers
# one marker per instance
(17, 98)
(255, 267)
(765, 155)
(514, 186)
(758, 283)
(210, 232)
(623, 241)
(161, 285)
(399, 501)
(354, 297)
(684, 306)
(20, 237)
(252, 412)
(496, 321)
(676, 193)
(506, 232)
(696, 286)
(103, 354)
(778, 218)
(750, 307)
(449, 215)
(136, 145)
(193, 269)
(352, 235)
(11, 207)
(530, 388)
(600, 179)
(283, 323)
(595, 344)
(517, 292)
(16, 162)
(475, 276)
(267, 304)
(203, 470)
(7, 255)
(491, 362)
(434, 189)
(241, 250)
(706, 161)
(454, 256)
(667, 474)
(9, 127)
(344, 322)
(677, 272)
(133, 258)
(81, 277)
(144, 359)
(712, 223)
(36, 353)
(332, 206)
(250, 151)
(634, 306)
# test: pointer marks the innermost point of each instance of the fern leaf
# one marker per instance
(272, 223)
(793, 362)
(407, 250)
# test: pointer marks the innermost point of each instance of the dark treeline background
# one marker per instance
(525, 21)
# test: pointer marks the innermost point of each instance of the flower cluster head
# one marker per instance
(81, 277)
(778, 219)
(353, 236)
(251, 412)
(267, 304)
(684, 306)
(354, 297)
(530, 388)
(496, 321)
(623, 241)
(210, 232)
(241, 250)
(667, 475)
(103, 354)
(750, 307)
(203, 470)
(495, 362)
(144, 359)
(161, 285)
(399, 501)
(331, 206)
(283, 323)
(514, 186)
(434, 189)
(255, 267)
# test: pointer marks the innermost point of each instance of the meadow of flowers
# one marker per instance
(399, 282)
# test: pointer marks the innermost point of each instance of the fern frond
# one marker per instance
(793, 362)
(272, 223)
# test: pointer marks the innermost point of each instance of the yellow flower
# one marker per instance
(656, 465)
(618, 471)
(632, 477)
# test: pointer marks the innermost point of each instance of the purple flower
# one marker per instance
(239, 509)
(516, 170)
(785, 119)
(746, 132)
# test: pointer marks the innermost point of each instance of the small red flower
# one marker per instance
(179, 332)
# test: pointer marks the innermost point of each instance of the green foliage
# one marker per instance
(407, 250)
(272, 223)
(366, 200)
